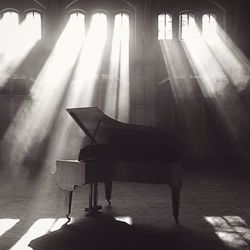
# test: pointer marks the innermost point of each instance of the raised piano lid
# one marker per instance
(139, 139)
(93, 121)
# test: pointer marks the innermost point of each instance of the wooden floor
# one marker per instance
(214, 214)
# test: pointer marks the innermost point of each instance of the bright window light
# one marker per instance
(77, 20)
(9, 26)
(125, 219)
(213, 68)
(117, 101)
(232, 230)
(232, 60)
(186, 25)
(35, 22)
(58, 224)
(81, 89)
(100, 22)
(7, 224)
(53, 78)
(38, 229)
(165, 27)
(12, 52)
(86, 71)
(10, 20)
(209, 25)
(97, 36)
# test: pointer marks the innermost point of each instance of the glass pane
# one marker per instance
(8, 28)
(77, 22)
(164, 26)
(33, 19)
(209, 25)
(99, 21)
(187, 24)
(161, 35)
(161, 22)
(9, 22)
(168, 26)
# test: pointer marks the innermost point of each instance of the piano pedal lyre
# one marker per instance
(93, 199)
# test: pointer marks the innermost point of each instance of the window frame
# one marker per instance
(165, 30)
(189, 13)
(26, 12)
(210, 13)
(10, 10)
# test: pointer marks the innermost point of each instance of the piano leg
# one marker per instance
(68, 202)
(175, 183)
(176, 203)
(109, 174)
(108, 191)
(91, 196)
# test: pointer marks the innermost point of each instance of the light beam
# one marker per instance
(13, 52)
(216, 86)
(35, 118)
(231, 59)
(180, 78)
(67, 140)
(8, 27)
(117, 100)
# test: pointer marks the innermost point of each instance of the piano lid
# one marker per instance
(90, 120)
(102, 129)
(125, 137)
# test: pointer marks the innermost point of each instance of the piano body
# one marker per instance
(112, 142)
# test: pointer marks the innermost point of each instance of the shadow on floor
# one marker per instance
(104, 232)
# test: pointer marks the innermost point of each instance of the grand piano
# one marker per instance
(110, 143)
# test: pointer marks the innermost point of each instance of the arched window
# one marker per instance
(209, 25)
(9, 22)
(33, 20)
(77, 21)
(165, 27)
(99, 23)
(186, 25)
(122, 26)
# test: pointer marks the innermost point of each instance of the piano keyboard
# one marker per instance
(69, 173)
